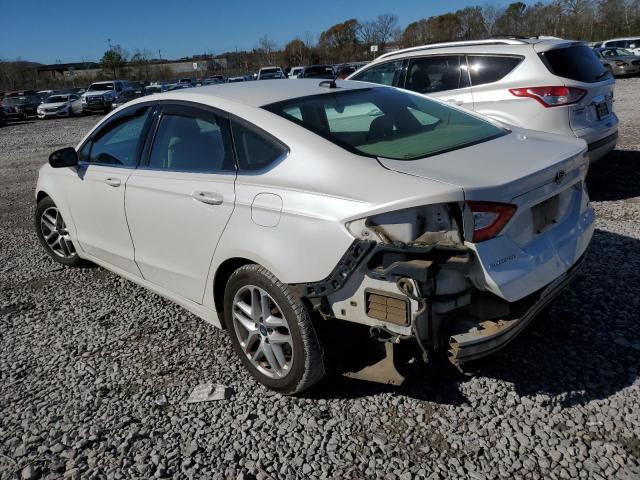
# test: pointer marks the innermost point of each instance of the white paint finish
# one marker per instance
(175, 234)
(266, 209)
(98, 213)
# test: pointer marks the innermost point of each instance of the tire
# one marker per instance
(303, 365)
(59, 246)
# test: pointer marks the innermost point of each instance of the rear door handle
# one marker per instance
(112, 181)
(210, 198)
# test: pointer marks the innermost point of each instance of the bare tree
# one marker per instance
(267, 48)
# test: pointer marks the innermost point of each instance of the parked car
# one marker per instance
(43, 94)
(619, 61)
(295, 72)
(179, 86)
(156, 88)
(104, 96)
(3, 118)
(20, 105)
(318, 71)
(630, 43)
(344, 71)
(60, 105)
(551, 85)
(138, 88)
(236, 79)
(270, 73)
(462, 232)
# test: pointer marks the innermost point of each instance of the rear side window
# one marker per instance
(254, 150)
(488, 68)
(190, 144)
(577, 63)
(385, 73)
(435, 74)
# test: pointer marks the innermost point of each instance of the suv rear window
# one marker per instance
(576, 63)
(385, 122)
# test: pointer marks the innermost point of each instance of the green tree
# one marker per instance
(114, 60)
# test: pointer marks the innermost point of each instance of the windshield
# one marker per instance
(57, 99)
(101, 87)
(320, 71)
(383, 122)
(269, 70)
(15, 101)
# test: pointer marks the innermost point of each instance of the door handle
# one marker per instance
(456, 102)
(210, 198)
(112, 181)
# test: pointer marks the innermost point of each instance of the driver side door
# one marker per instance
(106, 161)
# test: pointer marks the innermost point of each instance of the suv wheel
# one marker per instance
(271, 331)
(53, 235)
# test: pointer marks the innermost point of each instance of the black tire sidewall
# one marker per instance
(244, 277)
(40, 208)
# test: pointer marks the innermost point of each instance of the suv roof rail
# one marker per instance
(462, 43)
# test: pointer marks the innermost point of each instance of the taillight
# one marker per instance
(489, 218)
(551, 96)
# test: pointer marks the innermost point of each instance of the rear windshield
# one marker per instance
(384, 122)
(318, 72)
(576, 63)
(100, 87)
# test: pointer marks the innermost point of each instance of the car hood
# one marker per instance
(97, 93)
(501, 169)
(54, 105)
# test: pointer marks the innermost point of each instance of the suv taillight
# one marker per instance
(489, 218)
(550, 96)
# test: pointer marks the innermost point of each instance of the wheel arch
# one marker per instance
(41, 194)
(220, 279)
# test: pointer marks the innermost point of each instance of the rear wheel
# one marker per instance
(271, 331)
(53, 234)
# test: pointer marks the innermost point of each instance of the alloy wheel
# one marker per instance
(54, 231)
(262, 331)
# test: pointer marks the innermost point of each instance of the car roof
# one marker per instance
(259, 94)
(621, 38)
(501, 44)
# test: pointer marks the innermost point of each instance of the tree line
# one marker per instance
(350, 40)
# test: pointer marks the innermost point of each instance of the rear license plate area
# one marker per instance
(546, 214)
(602, 110)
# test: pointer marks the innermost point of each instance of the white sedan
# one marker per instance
(60, 105)
(294, 214)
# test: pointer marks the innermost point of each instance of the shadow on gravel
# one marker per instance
(18, 123)
(586, 346)
(615, 177)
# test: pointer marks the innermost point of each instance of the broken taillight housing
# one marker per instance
(550, 96)
(489, 218)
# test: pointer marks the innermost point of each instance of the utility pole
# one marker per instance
(109, 40)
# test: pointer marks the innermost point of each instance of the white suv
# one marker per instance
(545, 84)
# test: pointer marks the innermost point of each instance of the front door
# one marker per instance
(97, 195)
(179, 201)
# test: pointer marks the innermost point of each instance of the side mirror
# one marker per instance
(66, 157)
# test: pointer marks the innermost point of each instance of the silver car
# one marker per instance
(545, 84)
(619, 61)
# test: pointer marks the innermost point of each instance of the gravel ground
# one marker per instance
(95, 371)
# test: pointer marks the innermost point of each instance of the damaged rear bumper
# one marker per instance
(491, 335)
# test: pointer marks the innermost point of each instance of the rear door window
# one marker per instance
(490, 68)
(384, 73)
(435, 74)
(254, 151)
(577, 63)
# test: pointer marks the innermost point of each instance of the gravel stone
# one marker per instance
(88, 361)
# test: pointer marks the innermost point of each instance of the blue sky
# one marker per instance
(78, 30)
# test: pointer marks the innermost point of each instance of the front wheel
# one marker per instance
(271, 331)
(53, 234)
